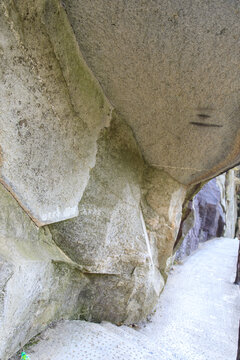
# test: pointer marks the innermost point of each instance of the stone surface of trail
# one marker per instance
(196, 319)
(198, 313)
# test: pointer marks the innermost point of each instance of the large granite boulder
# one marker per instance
(206, 221)
(112, 189)
(112, 270)
(169, 68)
(109, 236)
(51, 111)
(134, 212)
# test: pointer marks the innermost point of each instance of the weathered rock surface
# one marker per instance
(206, 221)
(109, 237)
(126, 229)
(213, 213)
(38, 283)
(112, 270)
(111, 189)
(171, 69)
(230, 205)
(162, 209)
(196, 319)
(52, 110)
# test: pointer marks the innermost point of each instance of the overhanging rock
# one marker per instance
(172, 69)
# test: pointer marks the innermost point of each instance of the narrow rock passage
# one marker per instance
(196, 319)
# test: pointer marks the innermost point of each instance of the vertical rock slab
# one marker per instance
(231, 205)
(227, 185)
(212, 214)
(51, 110)
(162, 202)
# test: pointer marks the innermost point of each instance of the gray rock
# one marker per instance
(109, 236)
(162, 202)
(52, 110)
(107, 271)
(106, 264)
(38, 283)
(193, 304)
(231, 205)
(206, 220)
(167, 67)
(171, 69)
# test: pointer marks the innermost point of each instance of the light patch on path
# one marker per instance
(196, 319)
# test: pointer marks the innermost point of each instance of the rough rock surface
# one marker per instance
(206, 220)
(212, 213)
(230, 204)
(197, 319)
(120, 169)
(162, 209)
(126, 228)
(171, 69)
(112, 270)
(36, 284)
(52, 110)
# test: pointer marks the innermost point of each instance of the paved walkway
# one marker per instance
(197, 318)
(199, 311)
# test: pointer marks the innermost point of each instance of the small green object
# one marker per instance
(25, 356)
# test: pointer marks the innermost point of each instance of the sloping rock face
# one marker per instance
(52, 110)
(212, 214)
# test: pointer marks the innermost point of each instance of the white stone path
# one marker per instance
(198, 314)
(197, 318)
